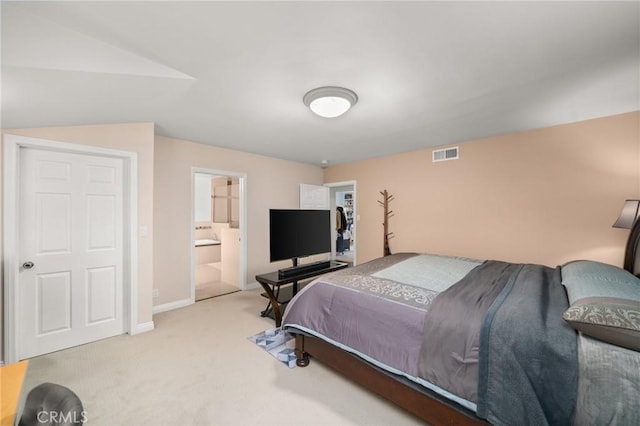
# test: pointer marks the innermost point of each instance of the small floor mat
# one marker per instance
(278, 343)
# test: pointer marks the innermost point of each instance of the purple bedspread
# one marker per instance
(371, 315)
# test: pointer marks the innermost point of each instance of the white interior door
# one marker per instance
(71, 230)
(314, 197)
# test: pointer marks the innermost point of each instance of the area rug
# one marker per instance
(278, 343)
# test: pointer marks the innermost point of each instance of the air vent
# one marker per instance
(445, 154)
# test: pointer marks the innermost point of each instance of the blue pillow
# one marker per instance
(604, 302)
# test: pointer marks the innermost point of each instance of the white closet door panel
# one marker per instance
(53, 303)
(314, 197)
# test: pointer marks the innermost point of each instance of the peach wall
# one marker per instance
(543, 196)
(271, 183)
(125, 137)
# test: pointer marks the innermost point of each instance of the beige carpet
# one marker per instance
(198, 368)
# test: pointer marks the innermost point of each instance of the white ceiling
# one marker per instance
(233, 74)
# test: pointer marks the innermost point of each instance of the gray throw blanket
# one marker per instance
(501, 329)
(528, 354)
(449, 354)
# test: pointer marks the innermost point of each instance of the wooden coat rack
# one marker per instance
(387, 214)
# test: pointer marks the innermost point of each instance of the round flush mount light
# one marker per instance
(330, 101)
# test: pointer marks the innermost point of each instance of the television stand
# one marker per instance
(272, 282)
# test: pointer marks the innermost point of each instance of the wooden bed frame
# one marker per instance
(422, 402)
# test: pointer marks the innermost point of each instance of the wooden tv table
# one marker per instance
(272, 282)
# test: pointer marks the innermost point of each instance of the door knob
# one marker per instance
(27, 265)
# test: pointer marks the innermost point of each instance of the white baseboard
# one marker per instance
(143, 328)
(172, 305)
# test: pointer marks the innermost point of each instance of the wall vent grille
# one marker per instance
(445, 154)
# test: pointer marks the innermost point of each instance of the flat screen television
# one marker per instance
(298, 233)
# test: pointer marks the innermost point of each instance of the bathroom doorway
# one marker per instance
(219, 252)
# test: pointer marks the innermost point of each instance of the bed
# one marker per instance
(463, 341)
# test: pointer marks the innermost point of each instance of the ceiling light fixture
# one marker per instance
(330, 101)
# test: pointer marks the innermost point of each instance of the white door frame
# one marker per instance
(355, 211)
(242, 196)
(11, 217)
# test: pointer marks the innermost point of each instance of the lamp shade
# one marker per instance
(628, 215)
(330, 101)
